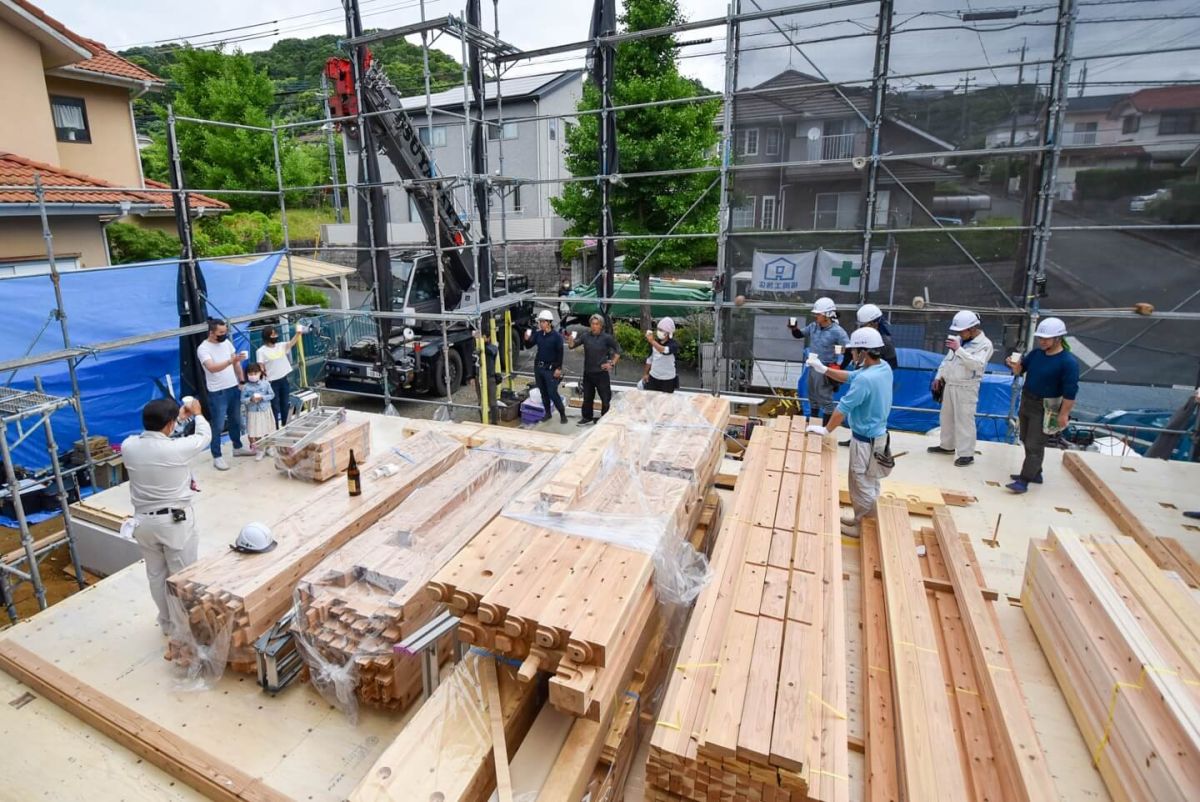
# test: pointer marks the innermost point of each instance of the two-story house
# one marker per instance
(68, 120)
(1163, 120)
(796, 148)
(532, 150)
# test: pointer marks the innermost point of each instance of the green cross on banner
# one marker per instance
(845, 272)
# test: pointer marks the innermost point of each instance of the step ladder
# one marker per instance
(303, 430)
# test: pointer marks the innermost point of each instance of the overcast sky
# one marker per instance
(957, 51)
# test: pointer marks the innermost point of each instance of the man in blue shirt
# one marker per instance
(547, 364)
(825, 337)
(865, 407)
(1051, 383)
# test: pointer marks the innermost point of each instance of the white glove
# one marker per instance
(815, 363)
(821, 430)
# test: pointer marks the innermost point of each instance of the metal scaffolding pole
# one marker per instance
(331, 147)
(883, 46)
(721, 358)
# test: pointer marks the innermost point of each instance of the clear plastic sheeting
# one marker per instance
(328, 454)
(634, 481)
(197, 647)
(356, 605)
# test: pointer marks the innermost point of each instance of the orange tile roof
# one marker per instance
(1166, 98)
(19, 171)
(103, 61)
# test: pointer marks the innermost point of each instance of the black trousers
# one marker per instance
(1033, 436)
(548, 386)
(662, 385)
(281, 403)
(596, 381)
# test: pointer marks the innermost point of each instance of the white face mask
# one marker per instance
(662, 335)
(253, 378)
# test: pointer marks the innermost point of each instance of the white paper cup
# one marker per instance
(1015, 358)
(649, 332)
(792, 322)
(839, 349)
(953, 338)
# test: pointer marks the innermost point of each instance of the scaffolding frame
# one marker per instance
(498, 57)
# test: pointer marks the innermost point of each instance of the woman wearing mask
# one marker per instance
(275, 360)
(659, 373)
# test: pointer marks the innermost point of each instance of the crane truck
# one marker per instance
(414, 356)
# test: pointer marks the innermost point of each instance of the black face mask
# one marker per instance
(222, 338)
(271, 338)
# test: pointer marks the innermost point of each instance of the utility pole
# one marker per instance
(962, 125)
(1016, 114)
(1082, 79)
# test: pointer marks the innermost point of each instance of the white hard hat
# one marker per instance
(964, 320)
(824, 306)
(1050, 327)
(667, 325)
(546, 314)
(868, 313)
(255, 538)
(866, 337)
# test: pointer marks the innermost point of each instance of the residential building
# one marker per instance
(525, 149)
(69, 121)
(1163, 120)
(1003, 135)
(798, 148)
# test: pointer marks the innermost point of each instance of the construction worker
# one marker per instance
(659, 372)
(958, 380)
(547, 364)
(161, 490)
(826, 339)
(601, 353)
(865, 407)
(871, 315)
(1051, 383)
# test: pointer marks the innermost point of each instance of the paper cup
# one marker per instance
(649, 332)
(1015, 358)
(792, 322)
(839, 349)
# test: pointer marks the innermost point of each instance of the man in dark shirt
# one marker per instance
(547, 364)
(600, 356)
(1051, 383)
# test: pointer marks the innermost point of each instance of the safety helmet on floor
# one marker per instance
(868, 313)
(1050, 327)
(546, 315)
(824, 306)
(964, 320)
(255, 538)
(866, 337)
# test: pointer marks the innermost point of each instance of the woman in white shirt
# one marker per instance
(275, 359)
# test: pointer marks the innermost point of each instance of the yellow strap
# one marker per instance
(831, 708)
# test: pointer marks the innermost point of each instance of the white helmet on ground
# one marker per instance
(1050, 327)
(667, 325)
(824, 306)
(964, 320)
(546, 315)
(868, 313)
(255, 538)
(866, 337)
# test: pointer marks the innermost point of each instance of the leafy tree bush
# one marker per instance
(302, 296)
(1104, 184)
(129, 243)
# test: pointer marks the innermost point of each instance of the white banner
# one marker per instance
(842, 272)
(782, 272)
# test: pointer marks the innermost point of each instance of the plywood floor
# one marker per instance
(300, 746)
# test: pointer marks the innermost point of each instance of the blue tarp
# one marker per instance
(109, 304)
(910, 388)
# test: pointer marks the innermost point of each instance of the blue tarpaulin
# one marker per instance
(109, 304)
(910, 388)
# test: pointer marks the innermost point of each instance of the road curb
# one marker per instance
(1135, 233)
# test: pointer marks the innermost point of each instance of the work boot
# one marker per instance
(939, 450)
(562, 418)
(220, 464)
(1018, 486)
(585, 422)
(963, 462)
(849, 529)
(849, 520)
(1016, 477)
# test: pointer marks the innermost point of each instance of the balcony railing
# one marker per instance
(1080, 138)
(837, 146)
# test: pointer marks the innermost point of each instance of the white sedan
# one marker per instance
(1141, 202)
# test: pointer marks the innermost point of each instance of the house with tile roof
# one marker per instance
(68, 121)
(1164, 120)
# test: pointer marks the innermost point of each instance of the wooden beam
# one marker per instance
(194, 767)
(491, 686)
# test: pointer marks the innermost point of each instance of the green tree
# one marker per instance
(648, 139)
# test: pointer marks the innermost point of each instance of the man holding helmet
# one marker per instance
(547, 363)
(865, 407)
(958, 380)
(1051, 384)
(826, 339)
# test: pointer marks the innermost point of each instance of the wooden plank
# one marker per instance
(724, 713)
(190, 765)
(1023, 764)
(882, 782)
(758, 707)
(491, 687)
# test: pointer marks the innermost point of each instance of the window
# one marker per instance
(505, 131)
(743, 214)
(773, 136)
(516, 197)
(437, 140)
(553, 127)
(1130, 123)
(836, 210)
(70, 119)
(746, 142)
(1084, 134)
(1177, 122)
(883, 205)
(768, 212)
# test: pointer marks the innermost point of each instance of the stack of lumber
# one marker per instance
(370, 594)
(555, 589)
(920, 499)
(755, 709)
(473, 435)
(98, 514)
(1166, 552)
(329, 454)
(249, 592)
(945, 717)
(97, 445)
(1123, 640)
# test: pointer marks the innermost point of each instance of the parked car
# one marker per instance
(1141, 202)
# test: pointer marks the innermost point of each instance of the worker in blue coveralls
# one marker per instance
(826, 338)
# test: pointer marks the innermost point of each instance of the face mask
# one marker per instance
(662, 335)
(271, 338)
(222, 338)
(252, 377)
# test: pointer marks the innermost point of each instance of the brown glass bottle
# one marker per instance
(353, 478)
